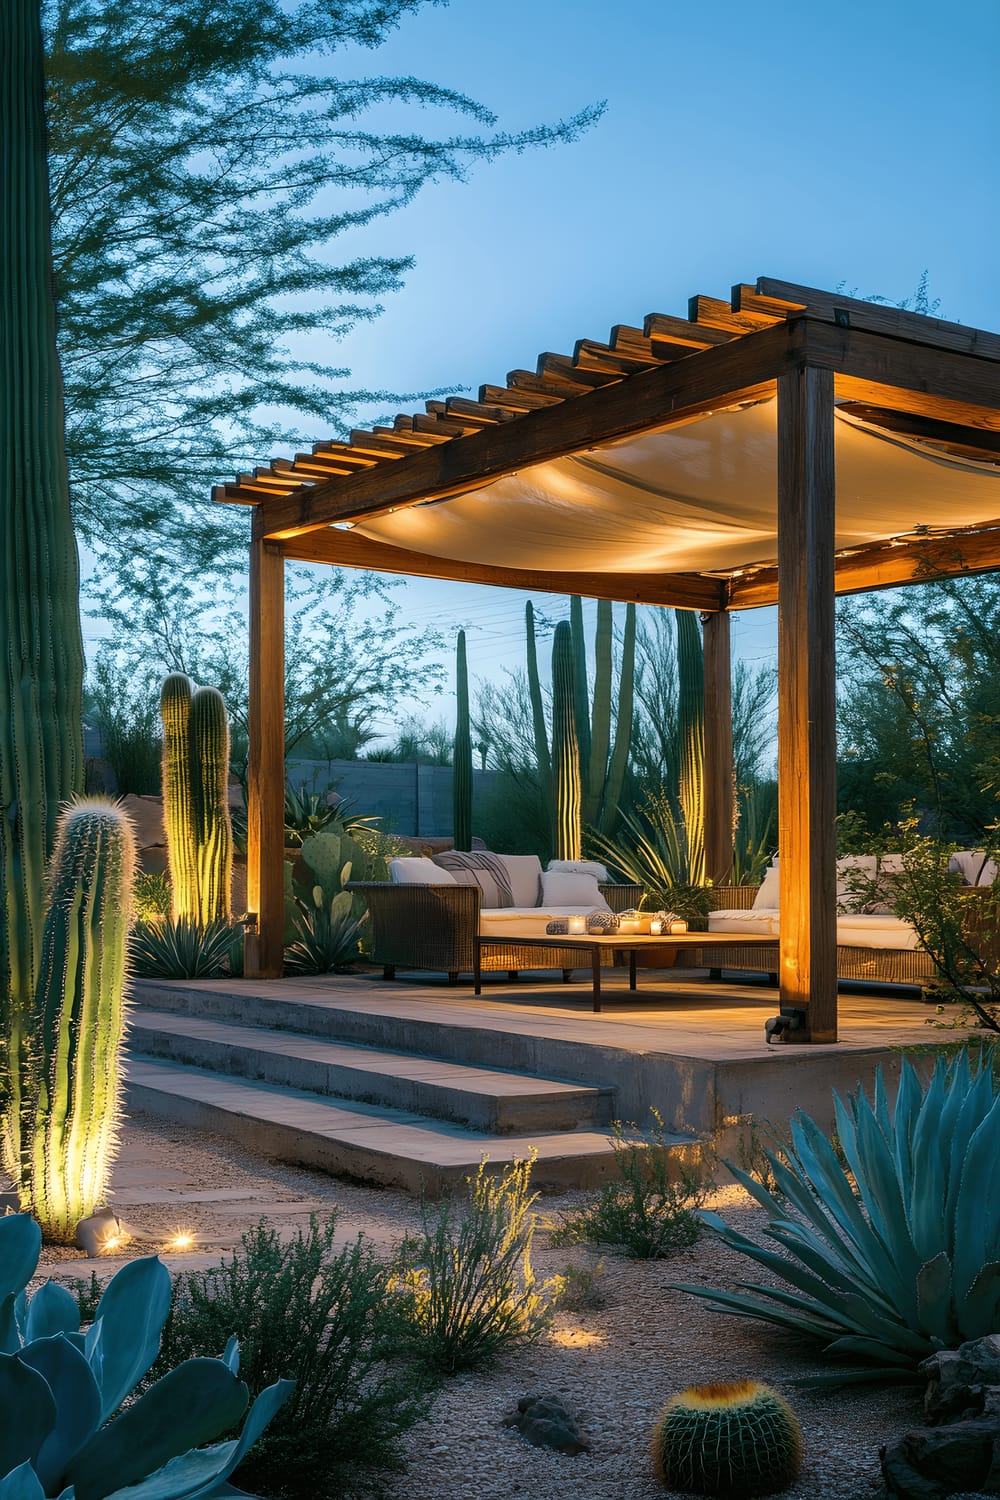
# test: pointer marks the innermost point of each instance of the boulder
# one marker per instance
(545, 1422)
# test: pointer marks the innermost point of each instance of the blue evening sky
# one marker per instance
(822, 144)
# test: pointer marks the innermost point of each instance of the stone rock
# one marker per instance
(545, 1422)
(935, 1463)
(960, 1380)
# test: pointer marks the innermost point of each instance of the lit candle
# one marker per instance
(628, 924)
(678, 925)
(655, 926)
(577, 924)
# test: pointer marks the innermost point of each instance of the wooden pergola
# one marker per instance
(929, 387)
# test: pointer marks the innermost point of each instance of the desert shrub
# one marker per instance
(466, 1285)
(152, 896)
(644, 1210)
(325, 1318)
(894, 1254)
(580, 1287)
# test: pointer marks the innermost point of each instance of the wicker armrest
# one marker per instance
(422, 926)
(621, 896)
(734, 897)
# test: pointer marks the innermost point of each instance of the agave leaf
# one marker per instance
(29, 1412)
(190, 1405)
(880, 1193)
(756, 1189)
(979, 1308)
(934, 1299)
(53, 1309)
(839, 1277)
(203, 1472)
(231, 1354)
(128, 1323)
(930, 1148)
(814, 1286)
(975, 1224)
(77, 1402)
(880, 1102)
(798, 1320)
(868, 1375)
(868, 1348)
(20, 1247)
(909, 1099)
(975, 1106)
(21, 1484)
(820, 1167)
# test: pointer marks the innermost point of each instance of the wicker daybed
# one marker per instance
(435, 927)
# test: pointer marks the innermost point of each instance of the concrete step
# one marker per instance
(487, 1099)
(371, 1142)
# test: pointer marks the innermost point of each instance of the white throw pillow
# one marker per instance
(768, 897)
(562, 889)
(578, 867)
(973, 866)
(412, 870)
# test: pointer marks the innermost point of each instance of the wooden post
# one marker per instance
(266, 771)
(807, 740)
(719, 788)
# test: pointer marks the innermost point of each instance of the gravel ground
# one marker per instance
(618, 1363)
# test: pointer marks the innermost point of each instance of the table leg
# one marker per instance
(631, 968)
(595, 961)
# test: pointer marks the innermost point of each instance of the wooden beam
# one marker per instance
(348, 549)
(977, 443)
(740, 370)
(719, 785)
(807, 736)
(885, 565)
(854, 312)
(263, 957)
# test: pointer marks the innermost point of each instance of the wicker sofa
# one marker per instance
(435, 927)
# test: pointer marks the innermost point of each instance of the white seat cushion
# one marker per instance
(973, 866)
(760, 921)
(412, 870)
(875, 930)
(768, 892)
(527, 921)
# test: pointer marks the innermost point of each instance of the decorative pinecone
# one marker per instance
(602, 921)
(557, 927)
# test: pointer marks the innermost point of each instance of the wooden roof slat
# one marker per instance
(876, 317)
(964, 442)
(516, 399)
(711, 312)
(425, 436)
(440, 425)
(590, 355)
(377, 447)
(479, 411)
(564, 367)
(663, 326)
(548, 385)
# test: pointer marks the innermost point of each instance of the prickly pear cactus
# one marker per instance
(41, 654)
(78, 1023)
(730, 1441)
(461, 761)
(565, 750)
(195, 800)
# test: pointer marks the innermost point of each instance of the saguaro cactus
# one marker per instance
(691, 732)
(461, 760)
(41, 654)
(565, 748)
(195, 800)
(78, 1019)
(537, 706)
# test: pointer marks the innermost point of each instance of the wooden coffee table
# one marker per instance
(597, 944)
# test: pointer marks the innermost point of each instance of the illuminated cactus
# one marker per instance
(565, 748)
(461, 761)
(41, 654)
(691, 732)
(195, 800)
(542, 757)
(731, 1441)
(76, 1030)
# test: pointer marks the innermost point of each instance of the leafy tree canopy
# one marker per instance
(204, 155)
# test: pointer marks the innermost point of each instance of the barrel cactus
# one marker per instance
(60, 1387)
(565, 748)
(731, 1441)
(77, 1024)
(195, 800)
(461, 761)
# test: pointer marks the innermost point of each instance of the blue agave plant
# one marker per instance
(898, 1253)
(60, 1391)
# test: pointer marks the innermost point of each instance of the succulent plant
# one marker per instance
(733, 1441)
(163, 948)
(41, 650)
(60, 1391)
(327, 934)
(77, 1025)
(895, 1253)
(461, 763)
(195, 799)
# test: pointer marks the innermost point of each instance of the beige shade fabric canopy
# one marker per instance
(696, 497)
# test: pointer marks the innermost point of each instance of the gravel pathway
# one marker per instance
(618, 1363)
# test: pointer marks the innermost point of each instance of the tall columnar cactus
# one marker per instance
(610, 776)
(691, 732)
(461, 760)
(581, 693)
(542, 757)
(565, 748)
(41, 654)
(78, 1022)
(195, 800)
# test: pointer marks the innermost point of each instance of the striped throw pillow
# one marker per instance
(482, 869)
